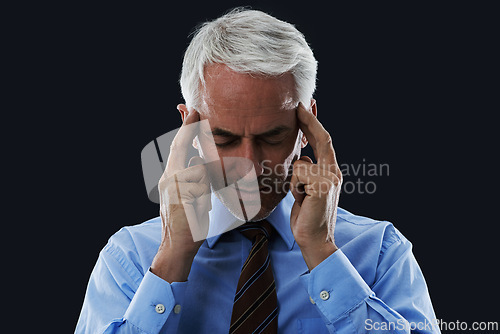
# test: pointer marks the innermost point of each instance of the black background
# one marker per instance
(405, 85)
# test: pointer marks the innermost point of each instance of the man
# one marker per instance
(289, 261)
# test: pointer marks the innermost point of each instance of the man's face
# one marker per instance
(251, 117)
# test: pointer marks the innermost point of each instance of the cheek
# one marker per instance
(207, 149)
(288, 163)
(282, 166)
(294, 154)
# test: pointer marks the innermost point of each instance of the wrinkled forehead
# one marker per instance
(214, 111)
(231, 94)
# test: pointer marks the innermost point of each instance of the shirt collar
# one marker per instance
(279, 219)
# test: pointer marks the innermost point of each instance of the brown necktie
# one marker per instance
(255, 308)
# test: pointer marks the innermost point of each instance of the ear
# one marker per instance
(314, 110)
(183, 110)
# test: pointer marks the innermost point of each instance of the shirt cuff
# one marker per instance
(335, 286)
(153, 302)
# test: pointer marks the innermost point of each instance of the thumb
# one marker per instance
(195, 161)
(306, 158)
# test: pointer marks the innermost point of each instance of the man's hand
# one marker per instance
(316, 189)
(184, 205)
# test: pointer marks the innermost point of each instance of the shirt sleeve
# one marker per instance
(398, 301)
(121, 299)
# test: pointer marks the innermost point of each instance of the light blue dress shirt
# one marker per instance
(371, 284)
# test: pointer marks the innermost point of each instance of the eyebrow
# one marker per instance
(270, 133)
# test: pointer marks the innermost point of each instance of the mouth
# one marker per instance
(249, 191)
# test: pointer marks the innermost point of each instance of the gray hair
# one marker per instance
(248, 41)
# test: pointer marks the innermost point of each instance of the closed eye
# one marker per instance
(225, 144)
(276, 136)
(273, 141)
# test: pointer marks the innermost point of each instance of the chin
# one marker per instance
(251, 208)
(263, 214)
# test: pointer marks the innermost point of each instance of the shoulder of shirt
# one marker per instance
(135, 246)
(350, 227)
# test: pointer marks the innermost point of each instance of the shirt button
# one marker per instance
(160, 308)
(324, 295)
(177, 309)
(312, 300)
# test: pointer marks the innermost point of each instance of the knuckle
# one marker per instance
(171, 189)
(326, 138)
(335, 179)
(339, 179)
(174, 145)
(164, 183)
(336, 182)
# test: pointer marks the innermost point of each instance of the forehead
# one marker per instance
(231, 94)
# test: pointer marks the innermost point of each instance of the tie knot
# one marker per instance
(253, 230)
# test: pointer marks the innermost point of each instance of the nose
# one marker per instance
(251, 151)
